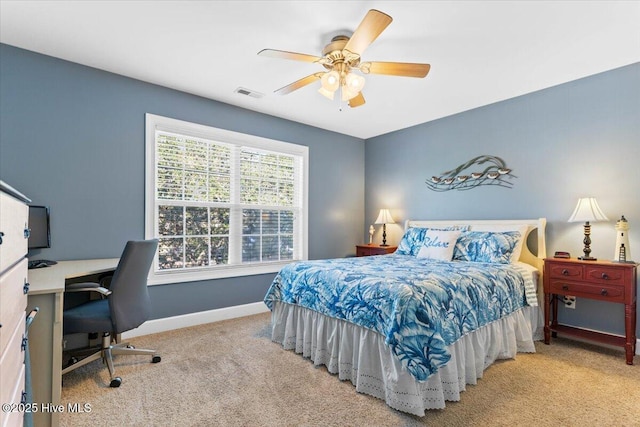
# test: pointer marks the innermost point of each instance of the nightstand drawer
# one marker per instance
(604, 274)
(567, 271)
(611, 293)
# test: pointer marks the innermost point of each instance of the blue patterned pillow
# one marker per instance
(486, 246)
(413, 238)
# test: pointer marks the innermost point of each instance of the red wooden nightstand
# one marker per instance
(598, 280)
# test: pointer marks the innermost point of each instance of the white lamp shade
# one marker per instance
(326, 93)
(347, 94)
(352, 86)
(587, 209)
(330, 81)
(384, 217)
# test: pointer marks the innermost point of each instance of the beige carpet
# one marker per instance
(231, 374)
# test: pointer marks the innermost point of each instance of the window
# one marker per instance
(222, 203)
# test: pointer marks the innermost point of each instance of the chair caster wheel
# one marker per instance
(115, 382)
(156, 359)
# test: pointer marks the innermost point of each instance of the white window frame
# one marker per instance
(159, 123)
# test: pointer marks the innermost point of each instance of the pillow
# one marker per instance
(414, 237)
(438, 244)
(486, 246)
(515, 256)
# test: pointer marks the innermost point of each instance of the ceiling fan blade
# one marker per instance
(281, 54)
(299, 83)
(369, 29)
(357, 101)
(405, 69)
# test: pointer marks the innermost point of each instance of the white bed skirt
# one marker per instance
(361, 356)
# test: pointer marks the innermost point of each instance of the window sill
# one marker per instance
(175, 276)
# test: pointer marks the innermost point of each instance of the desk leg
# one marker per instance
(45, 342)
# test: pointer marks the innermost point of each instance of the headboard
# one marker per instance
(527, 256)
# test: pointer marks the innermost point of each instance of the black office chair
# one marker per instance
(126, 306)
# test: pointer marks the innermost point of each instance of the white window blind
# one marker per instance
(222, 203)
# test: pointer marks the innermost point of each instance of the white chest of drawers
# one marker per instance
(14, 214)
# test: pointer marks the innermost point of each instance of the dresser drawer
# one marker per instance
(14, 216)
(13, 300)
(604, 292)
(604, 275)
(11, 363)
(14, 418)
(568, 271)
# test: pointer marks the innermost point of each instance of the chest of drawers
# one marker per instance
(597, 280)
(13, 302)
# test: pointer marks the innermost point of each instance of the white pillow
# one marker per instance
(522, 229)
(438, 244)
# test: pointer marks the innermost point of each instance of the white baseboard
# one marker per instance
(193, 319)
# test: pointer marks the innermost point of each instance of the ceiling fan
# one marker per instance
(341, 57)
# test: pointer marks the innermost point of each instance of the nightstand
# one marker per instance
(373, 249)
(598, 280)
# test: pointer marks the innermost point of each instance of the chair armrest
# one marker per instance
(87, 287)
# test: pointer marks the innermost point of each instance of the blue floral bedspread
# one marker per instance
(420, 306)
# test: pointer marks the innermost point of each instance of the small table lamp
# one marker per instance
(384, 218)
(587, 210)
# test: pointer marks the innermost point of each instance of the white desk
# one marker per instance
(46, 291)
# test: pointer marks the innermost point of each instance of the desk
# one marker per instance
(46, 291)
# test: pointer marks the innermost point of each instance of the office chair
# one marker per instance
(126, 306)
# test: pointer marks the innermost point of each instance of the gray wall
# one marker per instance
(72, 138)
(573, 140)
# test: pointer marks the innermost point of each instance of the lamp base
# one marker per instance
(587, 258)
(384, 244)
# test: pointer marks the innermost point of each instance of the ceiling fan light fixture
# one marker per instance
(329, 94)
(354, 82)
(348, 94)
(330, 81)
(351, 86)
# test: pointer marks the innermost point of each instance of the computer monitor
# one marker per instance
(40, 236)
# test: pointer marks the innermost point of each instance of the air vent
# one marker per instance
(249, 92)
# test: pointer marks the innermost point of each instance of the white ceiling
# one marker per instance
(480, 51)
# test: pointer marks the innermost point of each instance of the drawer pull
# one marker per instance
(27, 232)
(1, 234)
(23, 398)
(565, 287)
(23, 346)
(25, 287)
(605, 276)
(565, 272)
(603, 292)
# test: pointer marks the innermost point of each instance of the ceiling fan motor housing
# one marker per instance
(335, 54)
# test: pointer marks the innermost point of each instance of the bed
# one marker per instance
(415, 327)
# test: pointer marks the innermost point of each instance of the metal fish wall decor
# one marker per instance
(481, 170)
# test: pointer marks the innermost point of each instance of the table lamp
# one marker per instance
(384, 218)
(587, 210)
